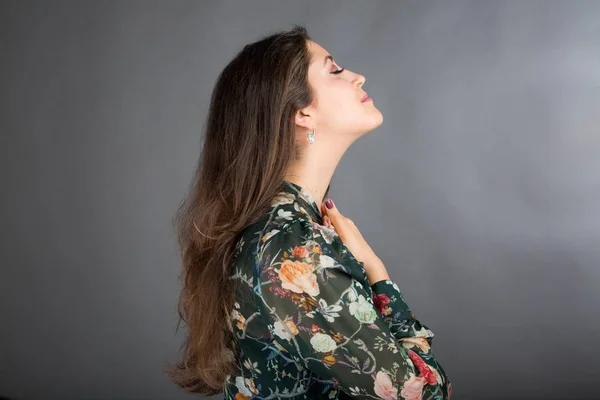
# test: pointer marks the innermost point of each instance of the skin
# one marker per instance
(338, 118)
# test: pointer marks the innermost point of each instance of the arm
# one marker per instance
(319, 315)
(391, 305)
(409, 331)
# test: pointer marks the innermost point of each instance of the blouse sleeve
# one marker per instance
(319, 315)
(407, 329)
(394, 310)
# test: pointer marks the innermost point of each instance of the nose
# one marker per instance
(360, 80)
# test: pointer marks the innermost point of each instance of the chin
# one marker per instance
(380, 118)
(377, 121)
(369, 123)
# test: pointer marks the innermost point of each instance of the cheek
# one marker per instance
(341, 115)
(341, 97)
(338, 104)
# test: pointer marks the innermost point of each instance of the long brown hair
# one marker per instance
(249, 146)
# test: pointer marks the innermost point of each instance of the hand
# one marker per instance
(352, 238)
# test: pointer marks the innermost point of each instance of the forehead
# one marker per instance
(317, 51)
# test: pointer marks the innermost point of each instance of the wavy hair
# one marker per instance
(249, 146)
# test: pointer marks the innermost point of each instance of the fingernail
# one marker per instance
(329, 203)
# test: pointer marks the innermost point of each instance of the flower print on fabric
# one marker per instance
(309, 325)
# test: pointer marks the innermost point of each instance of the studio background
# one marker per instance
(480, 191)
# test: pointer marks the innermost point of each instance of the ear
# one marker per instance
(304, 118)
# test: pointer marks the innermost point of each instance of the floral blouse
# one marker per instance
(309, 325)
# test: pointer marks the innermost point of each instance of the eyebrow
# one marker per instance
(327, 57)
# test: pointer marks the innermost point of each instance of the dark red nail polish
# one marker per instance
(329, 203)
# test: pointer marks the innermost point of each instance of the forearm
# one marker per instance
(375, 271)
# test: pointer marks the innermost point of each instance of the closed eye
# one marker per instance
(339, 71)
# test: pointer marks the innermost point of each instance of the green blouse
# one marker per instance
(309, 325)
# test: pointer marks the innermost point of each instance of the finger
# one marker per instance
(332, 212)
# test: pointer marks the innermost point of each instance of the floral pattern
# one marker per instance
(309, 325)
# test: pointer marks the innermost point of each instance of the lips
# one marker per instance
(365, 97)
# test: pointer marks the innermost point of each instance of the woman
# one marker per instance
(282, 296)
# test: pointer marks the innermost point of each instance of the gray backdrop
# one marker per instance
(480, 191)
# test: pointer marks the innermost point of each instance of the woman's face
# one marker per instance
(337, 109)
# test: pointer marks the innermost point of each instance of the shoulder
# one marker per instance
(290, 226)
(295, 240)
(284, 231)
(297, 237)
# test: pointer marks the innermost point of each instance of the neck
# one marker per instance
(313, 173)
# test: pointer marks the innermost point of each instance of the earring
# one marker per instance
(311, 137)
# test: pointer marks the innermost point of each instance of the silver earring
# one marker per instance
(311, 137)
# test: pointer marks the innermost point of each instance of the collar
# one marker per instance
(304, 198)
